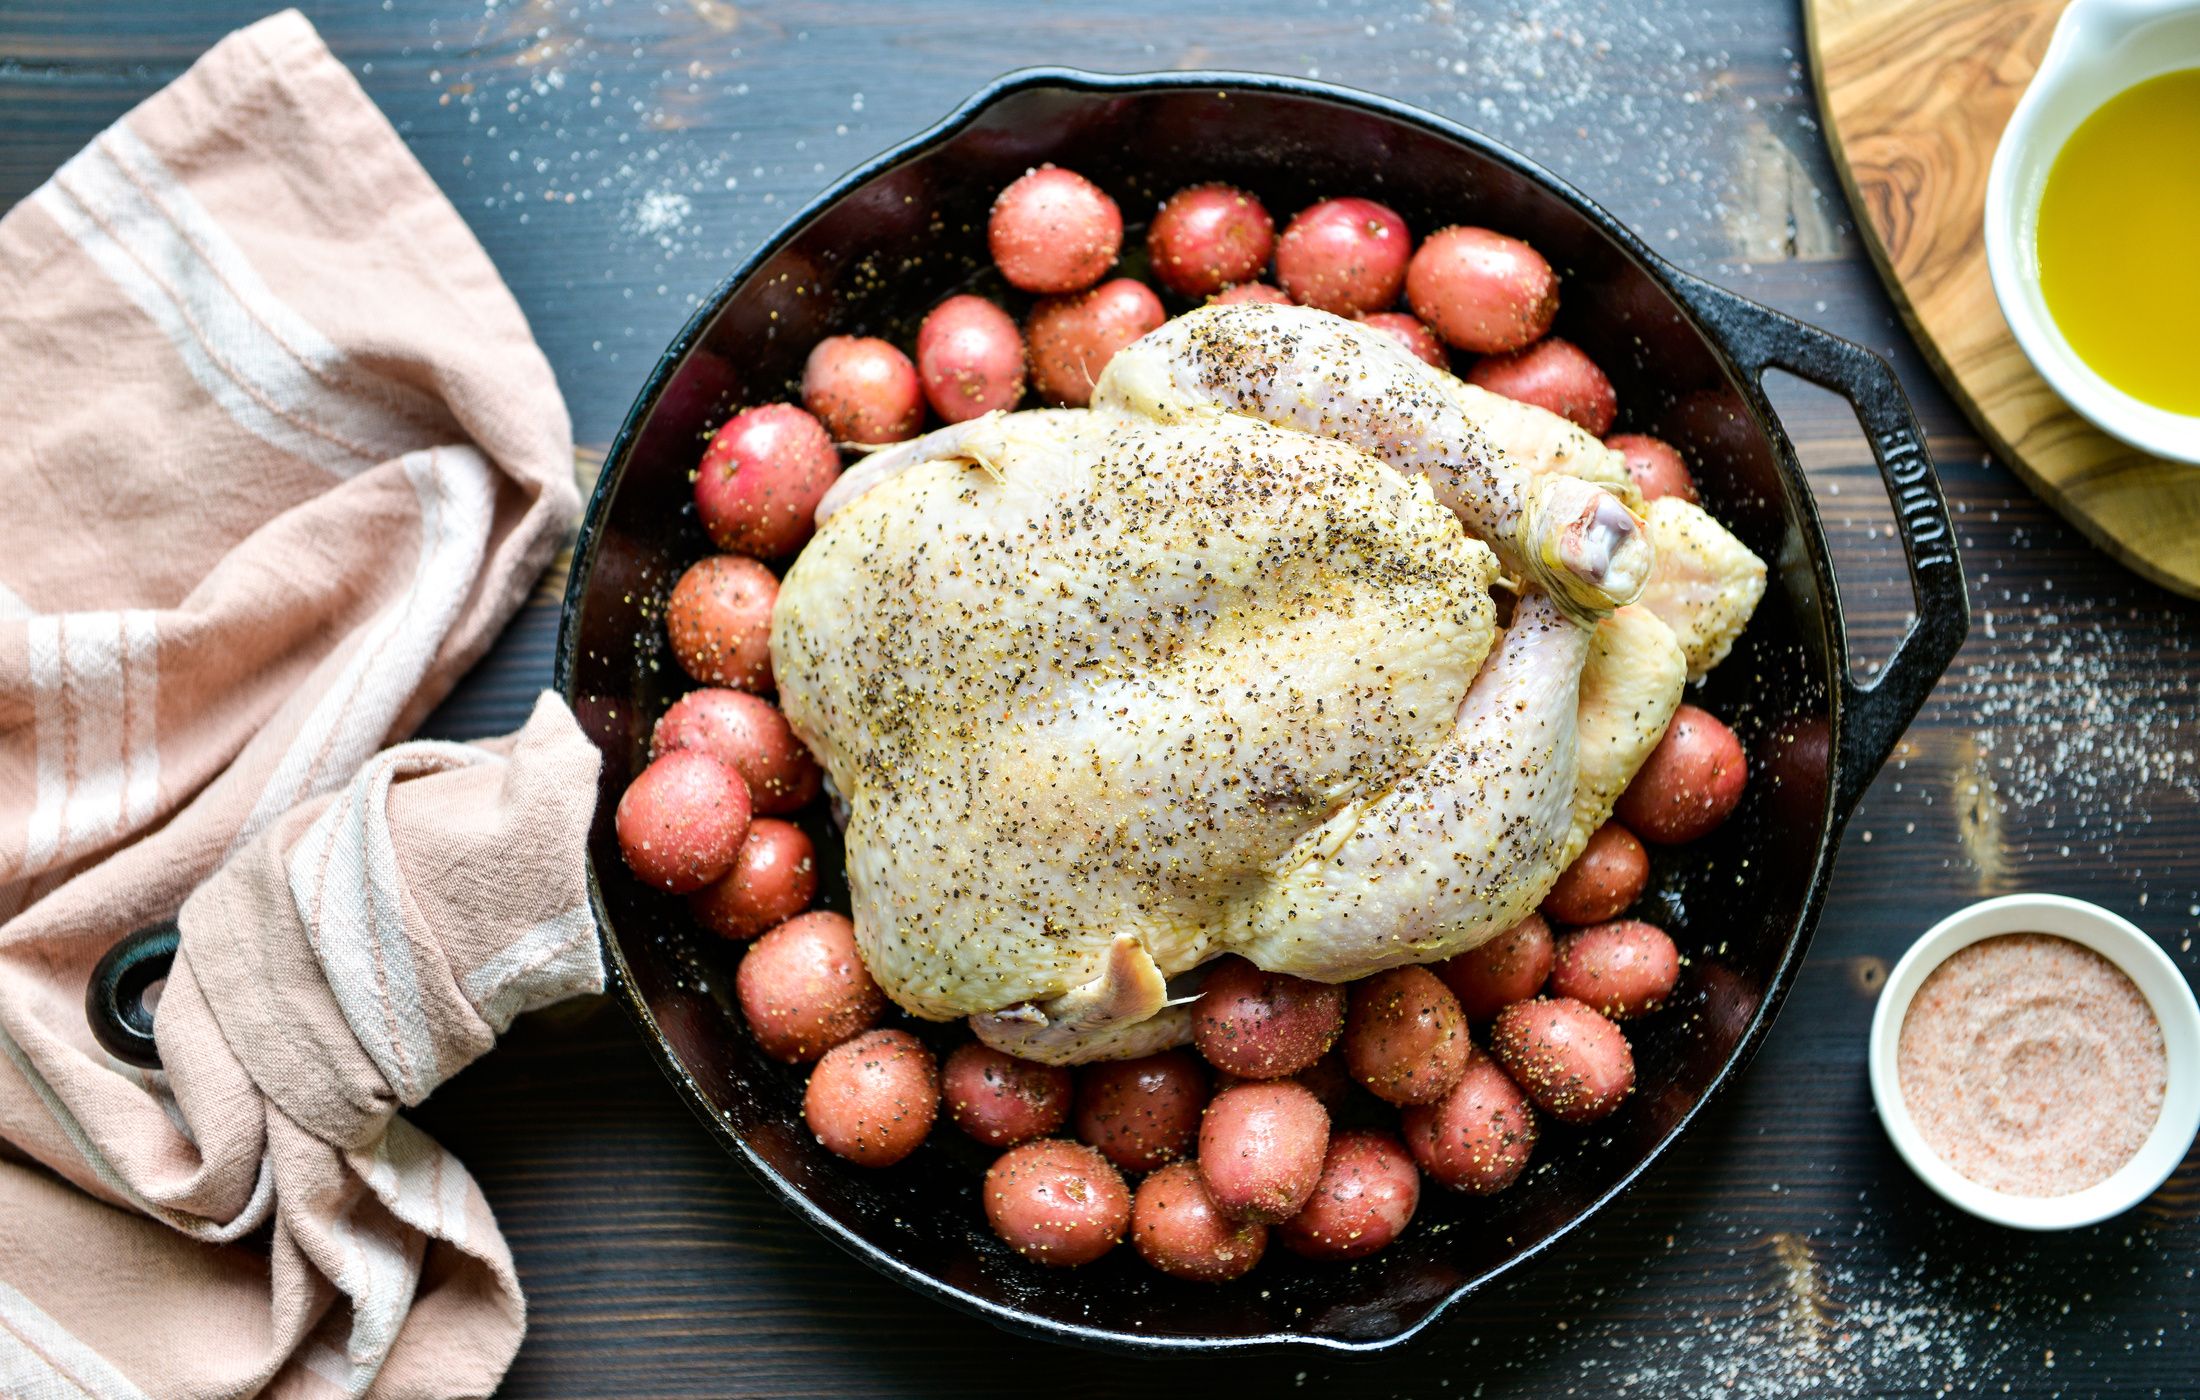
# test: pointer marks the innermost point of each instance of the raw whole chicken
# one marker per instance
(1213, 666)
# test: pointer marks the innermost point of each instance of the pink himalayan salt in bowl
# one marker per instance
(1935, 1117)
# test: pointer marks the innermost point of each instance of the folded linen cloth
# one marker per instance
(278, 458)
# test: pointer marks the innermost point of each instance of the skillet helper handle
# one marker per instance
(114, 1000)
(1874, 713)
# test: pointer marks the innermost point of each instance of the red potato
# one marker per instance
(774, 878)
(1552, 374)
(971, 358)
(1605, 878)
(1690, 784)
(1072, 338)
(1509, 968)
(1415, 337)
(1001, 1100)
(1344, 255)
(1057, 1203)
(1405, 1037)
(682, 820)
(761, 478)
(1566, 1057)
(1252, 291)
(1482, 291)
(863, 390)
(1261, 1148)
(748, 734)
(872, 1099)
(1478, 1137)
(1623, 969)
(803, 988)
(1054, 231)
(1264, 1025)
(1364, 1200)
(1209, 237)
(1656, 465)
(719, 620)
(1176, 1228)
(1143, 1112)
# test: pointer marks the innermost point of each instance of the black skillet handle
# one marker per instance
(114, 1000)
(1874, 713)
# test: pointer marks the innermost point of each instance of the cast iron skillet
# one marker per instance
(886, 243)
(878, 250)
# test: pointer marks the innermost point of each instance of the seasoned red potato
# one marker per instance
(1405, 1037)
(1176, 1227)
(1209, 237)
(1073, 337)
(863, 390)
(1554, 374)
(1691, 782)
(1344, 255)
(1001, 1100)
(1605, 878)
(1411, 334)
(761, 478)
(747, 734)
(1054, 231)
(1478, 1137)
(1656, 465)
(971, 358)
(1366, 1196)
(872, 1099)
(1264, 1025)
(1261, 1148)
(1509, 968)
(774, 878)
(1482, 291)
(1568, 1058)
(682, 820)
(803, 988)
(1057, 1203)
(1253, 291)
(719, 621)
(1143, 1112)
(1623, 969)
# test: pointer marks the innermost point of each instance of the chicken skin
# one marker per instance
(1206, 669)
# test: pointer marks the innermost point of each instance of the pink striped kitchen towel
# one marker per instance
(278, 458)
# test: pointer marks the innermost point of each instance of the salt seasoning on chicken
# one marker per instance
(2032, 1064)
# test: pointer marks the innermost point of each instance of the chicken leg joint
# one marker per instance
(1129, 989)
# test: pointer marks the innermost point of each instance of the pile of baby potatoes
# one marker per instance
(1230, 1142)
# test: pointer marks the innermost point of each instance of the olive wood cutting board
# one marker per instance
(1915, 94)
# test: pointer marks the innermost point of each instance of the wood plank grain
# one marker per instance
(1915, 94)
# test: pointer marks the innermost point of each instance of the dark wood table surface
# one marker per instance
(616, 158)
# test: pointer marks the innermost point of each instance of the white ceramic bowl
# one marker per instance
(2100, 48)
(2157, 978)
